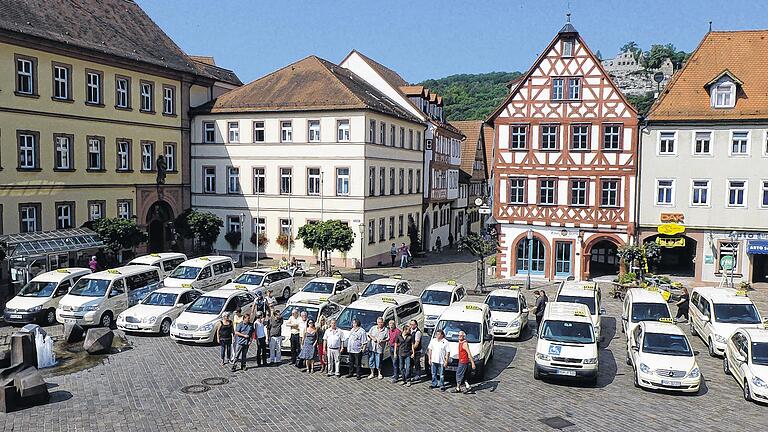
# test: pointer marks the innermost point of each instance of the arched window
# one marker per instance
(537, 256)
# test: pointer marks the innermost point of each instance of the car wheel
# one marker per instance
(165, 327)
(629, 359)
(747, 393)
(286, 293)
(726, 367)
(106, 320)
(693, 329)
(711, 348)
(536, 373)
(50, 317)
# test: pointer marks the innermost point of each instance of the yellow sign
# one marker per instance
(62, 271)
(670, 229)
(204, 259)
(389, 300)
(154, 254)
(672, 217)
(652, 288)
(588, 287)
(741, 293)
(451, 282)
(113, 271)
(670, 242)
(337, 276)
(323, 299)
(472, 307)
(579, 313)
(397, 276)
(665, 320)
(186, 285)
(240, 286)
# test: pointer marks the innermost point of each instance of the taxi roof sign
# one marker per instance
(579, 313)
(186, 285)
(240, 286)
(154, 254)
(113, 271)
(741, 293)
(451, 282)
(62, 270)
(472, 307)
(205, 258)
(397, 276)
(665, 320)
(389, 300)
(337, 276)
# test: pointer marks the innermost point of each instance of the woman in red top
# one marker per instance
(465, 359)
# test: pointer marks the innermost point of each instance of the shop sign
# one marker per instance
(727, 262)
(709, 259)
(757, 247)
(670, 242)
(670, 229)
(672, 218)
(748, 235)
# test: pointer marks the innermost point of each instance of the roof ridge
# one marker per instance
(336, 78)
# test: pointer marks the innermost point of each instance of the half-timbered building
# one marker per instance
(564, 167)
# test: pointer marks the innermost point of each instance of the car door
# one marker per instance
(696, 312)
(734, 347)
(706, 321)
(205, 278)
(633, 346)
(287, 281)
(523, 310)
(743, 350)
(116, 298)
(61, 290)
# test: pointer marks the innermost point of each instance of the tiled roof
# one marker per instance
(207, 67)
(204, 59)
(489, 135)
(412, 90)
(472, 130)
(744, 54)
(111, 27)
(393, 78)
(308, 85)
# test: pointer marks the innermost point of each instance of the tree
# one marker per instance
(633, 48)
(327, 236)
(118, 233)
(413, 237)
(205, 227)
(639, 256)
(480, 247)
(181, 224)
(233, 238)
(642, 103)
(471, 96)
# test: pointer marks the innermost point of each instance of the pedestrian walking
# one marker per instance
(465, 360)
(271, 301)
(379, 336)
(294, 323)
(450, 240)
(332, 345)
(243, 334)
(308, 343)
(539, 308)
(405, 254)
(393, 254)
(260, 335)
(438, 353)
(236, 320)
(416, 362)
(682, 306)
(275, 328)
(321, 325)
(260, 305)
(224, 331)
(93, 264)
(356, 343)
(394, 332)
(405, 352)
(439, 244)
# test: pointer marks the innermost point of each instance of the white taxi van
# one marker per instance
(198, 321)
(474, 319)
(746, 358)
(38, 299)
(323, 289)
(398, 307)
(96, 299)
(203, 273)
(393, 285)
(157, 311)
(509, 312)
(281, 282)
(437, 297)
(643, 304)
(314, 309)
(586, 293)
(165, 261)
(662, 357)
(567, 347)
(717, 312)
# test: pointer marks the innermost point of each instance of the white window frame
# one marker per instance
(259, 179)
(286, 173)
(234, 224)
(730, 143)
(93, 88)
(121, 91)
(674, 144)
(569, 45)
(694, 140)
(258, 126)
(233, 180)
(313, 130)
(286, 131)
(91, 142)
(95, 211)
(63, 145)
(515, 134)
(728, 193)
(27, 149)
(60, 82)
(169, 151)
(146, 96)
(259, 225)
(573, 191)
(558, 88)
(616, 192)
(22, 64)
(572, 88)
(708, 190)
(147, 156)
(29, 218)
(372, 131)
(63, 218)
(586, 135)
(342, 130)
(342, 181)
(233, 131)
(123, 156)
(551, 191)
(671, 202)
(730, 93)
(124, 209)
(520, 188)
(763, 193)
(286, 227)
(209, 179)
(314, 181)
(605, 134)
(546, 135)
(169, 101)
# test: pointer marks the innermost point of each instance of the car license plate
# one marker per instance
(70, 321)
(671, 383)
(131, 326)
(566, 372)
(15, 316)
(185, 334)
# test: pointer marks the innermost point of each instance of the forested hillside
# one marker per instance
(471, 96)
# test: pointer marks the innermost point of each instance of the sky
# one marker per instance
(433, 39)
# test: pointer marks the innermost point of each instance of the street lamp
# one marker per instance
(361, 228)
(529, 236)
(242, 240)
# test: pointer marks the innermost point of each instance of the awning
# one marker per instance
(47, 242)
(757, 247)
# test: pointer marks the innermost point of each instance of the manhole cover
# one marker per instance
(195, 389)
(215, 381)
(556, 422)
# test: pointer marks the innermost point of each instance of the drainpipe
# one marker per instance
(638, 163)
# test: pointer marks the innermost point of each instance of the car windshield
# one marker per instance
(588, 301)
(318, 287)
(185, 272)
(760, 353)
(375, 288)
(568, 332)
(452, 329)
(207, 305)
(503, 304)
(250, 279)
(311, 312)
(90, 287)
(367, 318)
(160, 299)
(38, 289)
(736, 313)
(666, 344)
(437, 298)
(649, 311)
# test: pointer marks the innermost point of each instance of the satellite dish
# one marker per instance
(658, 77)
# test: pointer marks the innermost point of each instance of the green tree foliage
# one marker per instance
(642, 103)
(479, 246)
(203, 226)
(655, 57)
(471, 96)
(118, 233)
(327, 236)
(632, 47)
(233, 238)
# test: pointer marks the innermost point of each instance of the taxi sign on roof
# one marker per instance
(472, 307)
(337, 276)
(588, 287)
(62, 270)
(389, 300)
(204, 259)
(113, 271)
(652, 288)
(665, 320)
(514, 287)
(186, 285)
(239, 286)
(579, 313)
(274, 267)
(397, 276)
(741, 293)
(323, 299)
(451, 282)
(154, 254)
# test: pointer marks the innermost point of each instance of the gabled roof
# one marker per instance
(489, 136)
(108, 27)
(209, 60)
(722, 74)
(472, 129)
(414, 90)
(310, 84)
(393, 78)
(206, 66)
(743, 54)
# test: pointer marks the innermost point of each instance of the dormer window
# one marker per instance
(724, 95)
(567, 47)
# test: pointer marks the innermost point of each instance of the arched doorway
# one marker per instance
(159, 217)
(679, 260)
(538, 256)
(603, 260)
(425, 235)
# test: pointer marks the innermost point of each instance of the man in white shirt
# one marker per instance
(438, 353)
(332, 344)
(294, 324)
(302, 330)
(261, 340)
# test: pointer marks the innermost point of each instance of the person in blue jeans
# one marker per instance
(438, 354)
(243, 335)
(394, 332)
(405, 352)
(378, 336)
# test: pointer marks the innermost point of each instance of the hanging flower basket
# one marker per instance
(283, 241)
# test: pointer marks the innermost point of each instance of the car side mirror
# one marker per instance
(602, 311)
(624, 317)
(739, 358)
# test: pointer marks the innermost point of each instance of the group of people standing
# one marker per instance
(235, 334)
(403, 251)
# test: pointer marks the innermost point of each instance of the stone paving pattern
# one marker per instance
(140, 390)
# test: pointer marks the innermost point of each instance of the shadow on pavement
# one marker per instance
(607, 331)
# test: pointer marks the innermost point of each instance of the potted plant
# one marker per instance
(259, 240)
(284, 240)
(233, 238)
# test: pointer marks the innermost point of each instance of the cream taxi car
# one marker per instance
(643, 304)
(38, 299)
(314, 309)
(509, 312)
(567, 346)
(715, 313)
(393, 285)
(165, 261)
(197, 322)
(474, 319)
(281, 282)
(586, 293)
(157, 311)
(746, 358)
(322, 289)
(204, 273)
(662, 357)
(437, 297)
